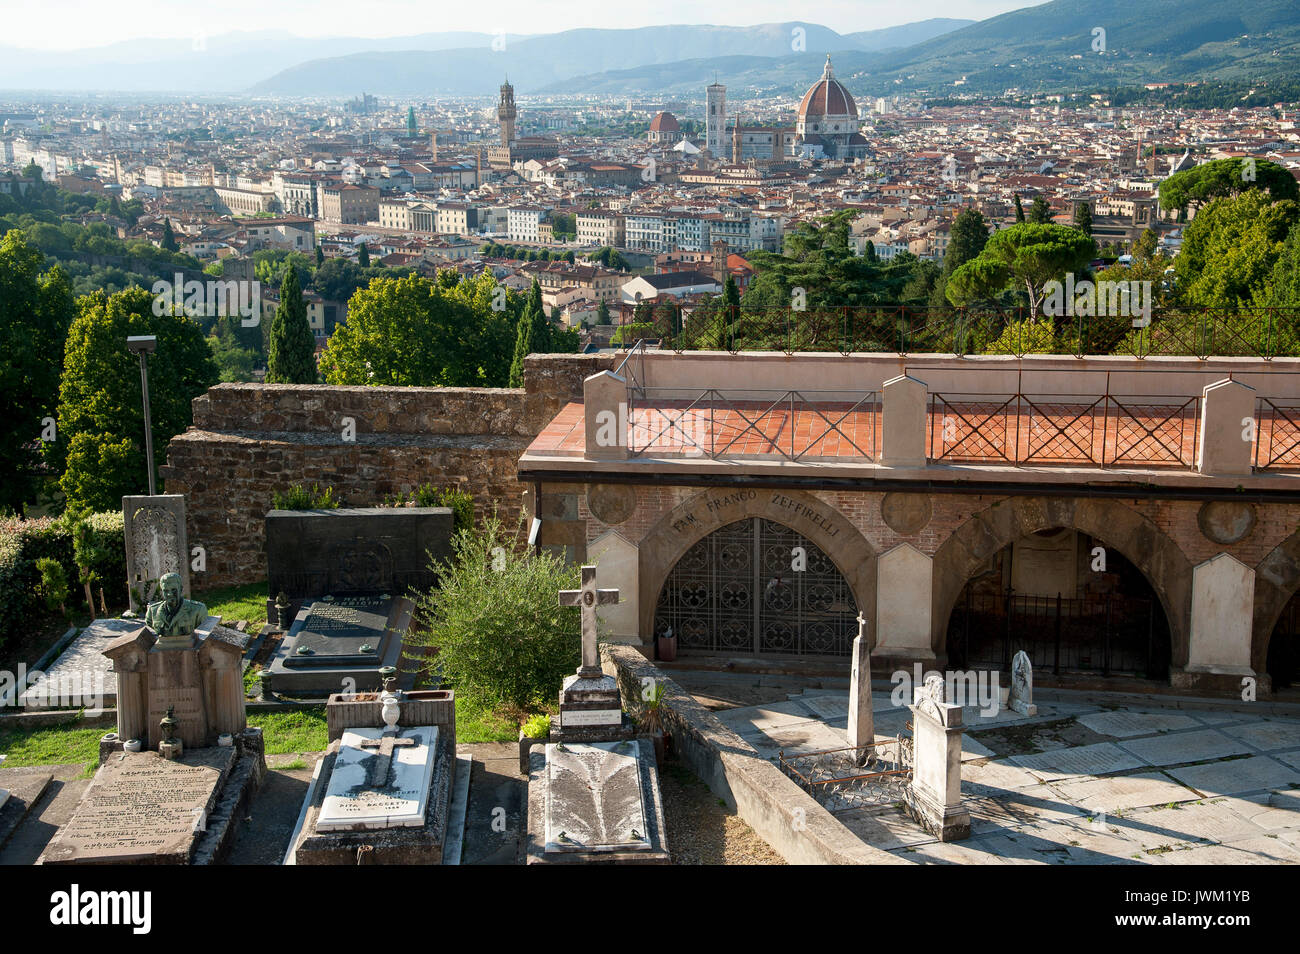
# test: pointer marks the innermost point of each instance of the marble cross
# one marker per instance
(589, 598)
(380, 768)
(862, 624)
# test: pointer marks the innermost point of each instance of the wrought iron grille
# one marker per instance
(1064, 429)
(1277, 437)
(738, 591)
(752, 423)
(869, 775)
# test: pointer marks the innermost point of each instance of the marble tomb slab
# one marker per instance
(352, 802)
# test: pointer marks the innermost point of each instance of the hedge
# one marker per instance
(23, 542)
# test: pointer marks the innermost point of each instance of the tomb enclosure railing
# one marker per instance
(1203, 333)
(1225, 418)
(752, 422)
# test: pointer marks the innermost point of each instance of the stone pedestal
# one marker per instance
(199, 675)
(591, 710)
(1224, 443)
(935, 797)
(903, 421)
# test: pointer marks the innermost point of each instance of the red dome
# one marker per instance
(827, 97)
(664, 122)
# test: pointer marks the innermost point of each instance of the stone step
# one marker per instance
(26, 787)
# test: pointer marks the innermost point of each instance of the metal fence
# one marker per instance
(757, 422)
(1064, 429)
(879, 773)
(1109, 634)
(1203, 333)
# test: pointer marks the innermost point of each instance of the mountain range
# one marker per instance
(1057, 46)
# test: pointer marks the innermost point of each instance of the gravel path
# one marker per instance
(701, 829)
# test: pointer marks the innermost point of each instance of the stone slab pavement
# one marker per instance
(1080, 782)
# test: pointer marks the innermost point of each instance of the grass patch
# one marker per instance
(52, 745)
(234, 603)
(477, 723)
(252, 677)
(294, 730)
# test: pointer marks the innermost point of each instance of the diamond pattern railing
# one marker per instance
(1277, 435)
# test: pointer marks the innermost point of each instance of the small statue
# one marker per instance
(174, 615)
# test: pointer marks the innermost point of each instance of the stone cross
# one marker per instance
(377, 777)
(861, 727)
(589, 598)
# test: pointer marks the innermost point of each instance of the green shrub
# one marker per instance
(1025, 337)
(496, 623)
(25, 542)
(302, 497)
(537, 726)
(633, 332)
(427, 495)
(53, 587)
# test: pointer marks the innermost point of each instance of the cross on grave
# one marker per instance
(589, 598)
(377, 777)
(862, 624)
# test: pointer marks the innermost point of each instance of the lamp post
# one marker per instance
(144, 345)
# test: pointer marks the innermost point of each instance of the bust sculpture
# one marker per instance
(174, 615)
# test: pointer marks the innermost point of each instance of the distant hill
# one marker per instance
(905, 35)
(538, 62)
(1037, 49)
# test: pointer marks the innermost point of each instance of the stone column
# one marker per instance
(223, 687)
(605, 417)
(903, 419)
(935, 799)
(904, 590)
(1225, 442)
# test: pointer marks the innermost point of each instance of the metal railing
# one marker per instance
(1100, 430)
(1197, 332)
(1277, 435)
(753, 422)
(879, 773)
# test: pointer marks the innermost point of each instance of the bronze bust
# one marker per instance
(174, 615)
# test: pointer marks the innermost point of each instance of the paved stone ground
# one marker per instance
(1082, 783)
(53, 809)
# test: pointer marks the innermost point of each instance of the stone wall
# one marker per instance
(250, 440)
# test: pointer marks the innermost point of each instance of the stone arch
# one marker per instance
(1140, 541)
(681, 528)
(1277, 578)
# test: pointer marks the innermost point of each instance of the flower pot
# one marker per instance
(667, 648)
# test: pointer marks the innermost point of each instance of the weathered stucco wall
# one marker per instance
(250, 440)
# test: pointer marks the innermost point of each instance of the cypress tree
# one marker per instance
(169, 237)
(292, 358)
(1020, 209)
(363, 255)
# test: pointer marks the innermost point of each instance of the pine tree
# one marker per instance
(1020, 209)
(969, 233)
(731, 297)
(292, 358)
(1083, 218)
(533, 335)
(169, 237)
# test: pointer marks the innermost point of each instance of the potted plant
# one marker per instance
(667, 646)
(535, 731)
(651, 721)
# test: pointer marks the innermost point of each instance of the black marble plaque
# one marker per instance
(344, 630)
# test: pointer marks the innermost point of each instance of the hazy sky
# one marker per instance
(72, 24)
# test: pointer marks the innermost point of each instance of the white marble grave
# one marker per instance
(352, 801)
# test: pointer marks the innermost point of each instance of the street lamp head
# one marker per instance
(142, 344)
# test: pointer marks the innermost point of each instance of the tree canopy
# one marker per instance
(101, 417)
(1224, 178)
(1027, 256)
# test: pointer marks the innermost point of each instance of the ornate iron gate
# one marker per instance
(746, 588)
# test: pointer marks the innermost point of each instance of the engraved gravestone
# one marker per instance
(141, 807)
(156, 544)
